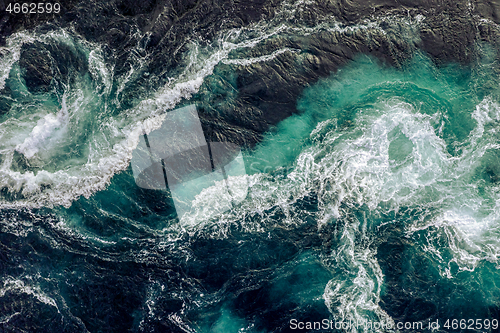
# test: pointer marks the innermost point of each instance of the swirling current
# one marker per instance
(370, 189)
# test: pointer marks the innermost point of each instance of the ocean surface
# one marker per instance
(378, 201)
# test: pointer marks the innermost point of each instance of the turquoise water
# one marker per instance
(377, 201)
(411, 154)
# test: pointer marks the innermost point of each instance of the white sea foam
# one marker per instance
(346, 168)
(110, 149)
(364, 168)
(10, 54)
(44, 130)
(19, 286)
(246, 62)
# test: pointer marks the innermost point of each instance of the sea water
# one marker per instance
(377, 202)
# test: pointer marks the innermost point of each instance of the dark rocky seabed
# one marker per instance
(369, 131)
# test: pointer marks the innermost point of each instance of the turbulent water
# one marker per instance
(378, 201)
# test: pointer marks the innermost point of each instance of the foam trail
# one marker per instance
(109, 145)
(10, 54)
(12, 285)
(390, 159)
(110, 150)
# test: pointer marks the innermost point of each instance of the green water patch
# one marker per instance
(121, 211)
(448, 94)
(417, 149)
(291, 292)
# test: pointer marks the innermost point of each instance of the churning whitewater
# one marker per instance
(78, 111)
(378, 200)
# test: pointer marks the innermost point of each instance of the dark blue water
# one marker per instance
(377, 202)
